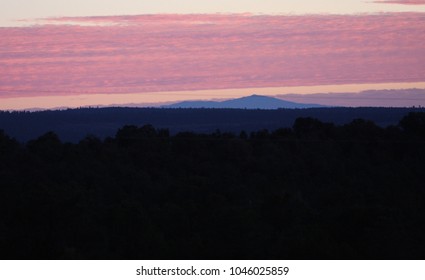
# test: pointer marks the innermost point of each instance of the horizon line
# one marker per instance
(168, 97)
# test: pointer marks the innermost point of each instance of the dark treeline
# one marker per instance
(313, 191)
(73, 124)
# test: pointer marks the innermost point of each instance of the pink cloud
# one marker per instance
(404, 2)
(194, 52)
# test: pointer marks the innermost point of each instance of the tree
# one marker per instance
(414, 123)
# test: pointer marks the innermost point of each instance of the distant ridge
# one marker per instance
(249, 102)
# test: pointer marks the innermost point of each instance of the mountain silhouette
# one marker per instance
(248, 102)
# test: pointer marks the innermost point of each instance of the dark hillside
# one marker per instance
(313, 191)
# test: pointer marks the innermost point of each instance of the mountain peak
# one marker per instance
(256, 95)
(253, 101)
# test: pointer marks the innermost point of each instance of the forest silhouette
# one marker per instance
(72, 125)
(313, 191)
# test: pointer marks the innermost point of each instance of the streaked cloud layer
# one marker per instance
(156, 53)
(404, 2)
(13, 10)
(378, 98)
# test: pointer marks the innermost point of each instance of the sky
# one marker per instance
(90, 52)
(24, 9)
